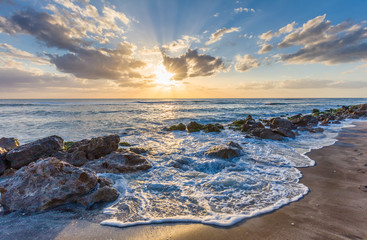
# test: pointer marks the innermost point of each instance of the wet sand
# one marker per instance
(335, 208)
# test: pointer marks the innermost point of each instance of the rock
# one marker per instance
(266, 133)
(95, 147)
(307, 120)
(77, 158)
(8, 172)
(44, 184)
(2, 165)
(231, 150)
(42, 148)
(318, 129)
(179, 127)
(211, 128)
(194, 127)
(281, 123)
(104, 182)
(251, 125)
(138, 150)
(120, 161)
(234, 145)
(285, 132)
(8, 143)
(337, 122)
(102, 194)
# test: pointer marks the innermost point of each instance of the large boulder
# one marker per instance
(285, 132)
(281, 123)
(303, 121)
(228, 151)
(8, 144)
(42, 148)
(266, 133)
(43, 184)
(212, 127)
(95, 147)
(76, 158)
(120, 161)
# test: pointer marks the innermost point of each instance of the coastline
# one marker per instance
(335, 207)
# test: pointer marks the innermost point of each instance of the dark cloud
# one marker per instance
(82, 60)
(117, 64)
(192, 64)
(43, 27)
(322, 42)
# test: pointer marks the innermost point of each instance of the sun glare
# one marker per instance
(163, 77)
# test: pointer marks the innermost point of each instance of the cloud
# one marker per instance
(305, 84)
(322, 42)
(312, 31)
(193, 64)
(42, 26)
(103, 63)
(241, 9)
(265, 48)
(246, 63)
(216, 15)
(270, 34)
(180, 45)
(215, 37)
(82, 60)
(11, 52)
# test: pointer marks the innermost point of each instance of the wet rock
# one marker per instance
(211, 128)
(248, 126)
(43, 184)
(120, 161)
(194, 127)
(76, 158)
(2, 165)
(138, 150)
(281, 123)
(319, 129)
(102, 194)
(229, 151)
(234, 145)
(104, 182)
(179, 127)
(285, 132)
(266, 133)
(307, 120)
(95, 147)
(8, 144)
(42, 148)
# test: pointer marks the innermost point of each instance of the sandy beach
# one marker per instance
(335, 208)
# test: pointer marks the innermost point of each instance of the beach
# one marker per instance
(335, 208)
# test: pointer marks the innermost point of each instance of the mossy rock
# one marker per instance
(315, 110)
(220, 126)
(178, 127)
(67, 145)
(211, 128)
(124, 144)
(238, 123)
(194, 127)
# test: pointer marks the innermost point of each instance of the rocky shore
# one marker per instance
(50, 172)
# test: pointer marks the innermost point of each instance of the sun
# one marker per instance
(163, 77)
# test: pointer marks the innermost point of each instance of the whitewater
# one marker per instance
(184, 185)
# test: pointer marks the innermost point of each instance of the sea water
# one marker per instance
(184, 185)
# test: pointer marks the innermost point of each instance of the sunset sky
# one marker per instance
(183, 48)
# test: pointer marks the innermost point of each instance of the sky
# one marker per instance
(183, 48)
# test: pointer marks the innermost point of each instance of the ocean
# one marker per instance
(184, 185)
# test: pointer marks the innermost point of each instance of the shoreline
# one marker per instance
(335, 207)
